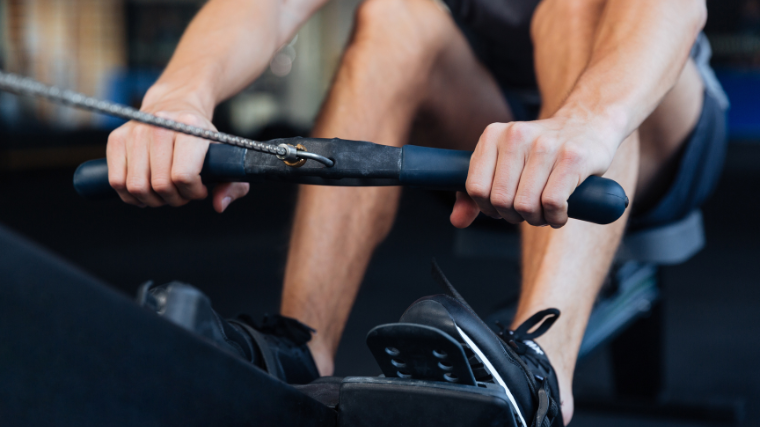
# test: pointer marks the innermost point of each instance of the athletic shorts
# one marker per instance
(504, 46)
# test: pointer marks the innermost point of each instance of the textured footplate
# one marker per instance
(407, 350)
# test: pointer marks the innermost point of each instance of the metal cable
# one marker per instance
(26, 86)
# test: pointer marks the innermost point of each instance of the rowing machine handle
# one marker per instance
(223, 163)
(598, 200)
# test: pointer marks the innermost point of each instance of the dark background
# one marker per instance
(712, 331)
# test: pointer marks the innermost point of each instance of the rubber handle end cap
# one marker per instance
(91, 180)
(598, 200)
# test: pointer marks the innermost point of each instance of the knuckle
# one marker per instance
(117, 136)
(543, 146)
(183, 178)
(572, 155)
(494, 131)
(162, 185)
(478, 190)
(553, 202)
(516, 131)
(137, 186)
(501, 200)
(117, 183)
(525, 206)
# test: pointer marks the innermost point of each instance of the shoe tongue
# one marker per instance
(448, 288)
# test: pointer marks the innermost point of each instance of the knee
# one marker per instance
(404, 28)
(376, 14)
(384, 17)
(571, 7)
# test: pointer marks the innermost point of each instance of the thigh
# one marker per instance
(428, 60)
(463, 97)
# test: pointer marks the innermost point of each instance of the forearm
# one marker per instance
(638, 53)
(226, 46)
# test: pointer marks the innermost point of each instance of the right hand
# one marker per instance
(150, 166)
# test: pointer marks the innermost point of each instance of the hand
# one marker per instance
(526, 171)
(150, 166)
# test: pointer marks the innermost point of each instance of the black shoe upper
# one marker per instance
(520, 364)
(281, 342)
(511, 359)
(276, 345)
(537, 362)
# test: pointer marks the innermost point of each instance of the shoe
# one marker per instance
(277, 344)
(510, 359)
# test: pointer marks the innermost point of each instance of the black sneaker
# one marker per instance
(510, 359)
(277, 344)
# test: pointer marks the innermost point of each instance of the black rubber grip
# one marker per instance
(223, 163)
(597, 200)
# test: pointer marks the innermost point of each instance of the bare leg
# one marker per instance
(406, 57)
(565, 268)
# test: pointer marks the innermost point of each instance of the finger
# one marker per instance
(116, 158)
(189, 153)
(226, 193)
(138, 167)
(482, 166)
(563, 180)
(541, 159)
(509, 168)
(465, 211)
(161, 147)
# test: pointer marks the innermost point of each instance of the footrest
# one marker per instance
(393, 402)
(411, 351)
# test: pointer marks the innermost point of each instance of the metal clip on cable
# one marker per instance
(297, 156)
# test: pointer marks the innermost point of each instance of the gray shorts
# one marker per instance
(511, 64)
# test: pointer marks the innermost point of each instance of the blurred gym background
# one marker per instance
(115, 49)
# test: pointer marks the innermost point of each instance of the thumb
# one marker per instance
(226, 193)
(465, 211)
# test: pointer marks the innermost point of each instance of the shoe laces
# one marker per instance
(521, 338)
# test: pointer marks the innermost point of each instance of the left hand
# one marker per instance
(526, 171)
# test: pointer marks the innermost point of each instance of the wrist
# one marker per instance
(609, 122)
(178, 89)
